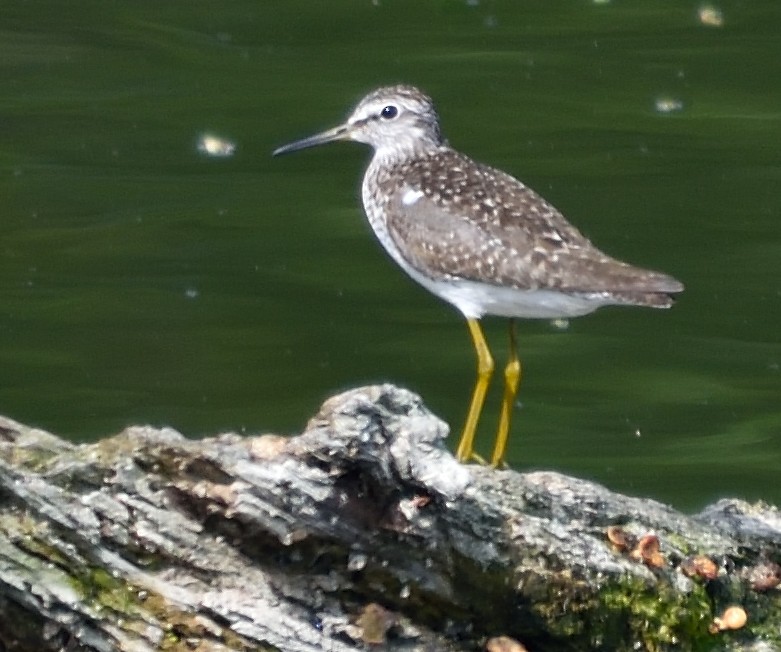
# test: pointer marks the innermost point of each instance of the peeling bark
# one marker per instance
(361, 532)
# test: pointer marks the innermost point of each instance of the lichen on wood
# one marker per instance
(361, 531)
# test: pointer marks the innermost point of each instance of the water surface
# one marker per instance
(144, 282)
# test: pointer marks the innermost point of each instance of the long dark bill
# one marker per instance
(337, 133)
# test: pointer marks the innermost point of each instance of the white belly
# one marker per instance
(476, 299)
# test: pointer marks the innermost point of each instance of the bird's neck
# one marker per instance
(403, 150)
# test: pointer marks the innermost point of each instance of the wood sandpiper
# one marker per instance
(478, 238)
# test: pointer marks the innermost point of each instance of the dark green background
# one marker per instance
(141, 281)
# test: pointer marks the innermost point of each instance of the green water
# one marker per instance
(144, 282)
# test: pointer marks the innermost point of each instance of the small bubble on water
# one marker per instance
(667, 104)
(216, 146)
(710, 16)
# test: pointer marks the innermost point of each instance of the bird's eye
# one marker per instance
(389, 112)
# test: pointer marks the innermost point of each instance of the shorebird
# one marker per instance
(478, 238)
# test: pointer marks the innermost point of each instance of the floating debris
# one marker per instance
(667, 104)
(560, 324)
(710, 16)
(216, 146)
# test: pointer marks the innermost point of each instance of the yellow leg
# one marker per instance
(512, 378)
(485, 367)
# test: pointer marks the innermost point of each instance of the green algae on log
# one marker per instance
(149, 541)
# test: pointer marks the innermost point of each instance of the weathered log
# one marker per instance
(363, 531)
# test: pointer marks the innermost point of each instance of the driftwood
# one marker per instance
(361, 533)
